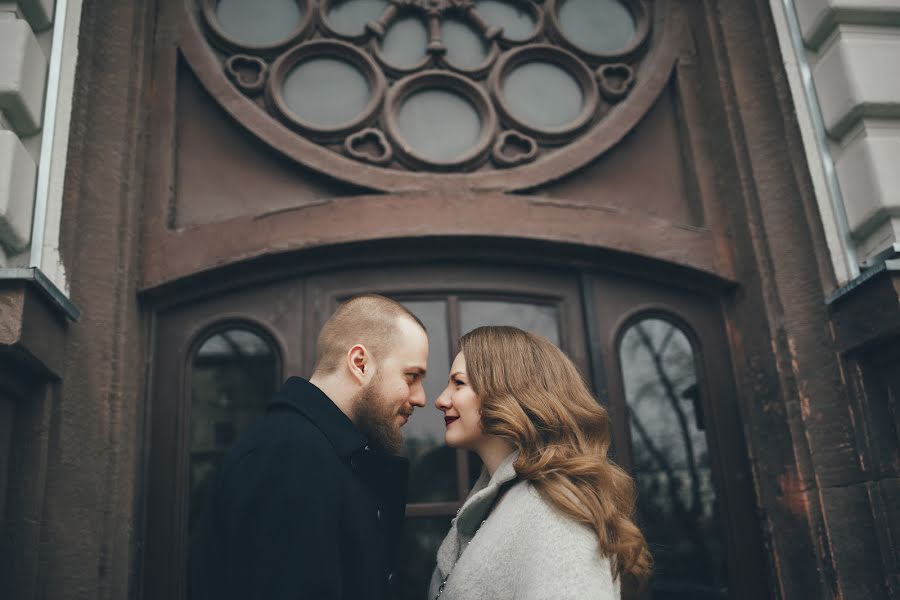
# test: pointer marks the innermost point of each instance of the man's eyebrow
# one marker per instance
(418, 370)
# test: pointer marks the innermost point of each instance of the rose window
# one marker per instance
(425, 85)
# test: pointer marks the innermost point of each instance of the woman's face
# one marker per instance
(461, 407)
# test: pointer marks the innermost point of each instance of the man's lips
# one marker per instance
(448, 420)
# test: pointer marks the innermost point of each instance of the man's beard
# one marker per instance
(375, 419)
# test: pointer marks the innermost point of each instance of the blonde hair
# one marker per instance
(368, 319)
(532, 395)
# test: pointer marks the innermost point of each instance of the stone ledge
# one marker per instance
(819, 18)
(18, 177)
(855, 71)
(38, 12)
(867, 310)
(33, 323)
(23, 76)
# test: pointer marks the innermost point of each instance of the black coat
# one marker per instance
(301, 509)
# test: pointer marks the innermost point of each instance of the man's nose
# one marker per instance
(418, 397)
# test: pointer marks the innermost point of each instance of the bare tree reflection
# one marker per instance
(676, 497)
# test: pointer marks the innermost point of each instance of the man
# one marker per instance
(309, 502)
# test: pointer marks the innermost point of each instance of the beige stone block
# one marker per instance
(38, 12)
(818, 18)
(18, 177)
(868, 169)
(855, 77)
(23, 76)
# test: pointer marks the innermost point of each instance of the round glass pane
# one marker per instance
(542, 95)
(599, 26)
(466, 48)
(259, 23)
(404, 42)
(439, 124)
(350, 16)
(517, 22)
(326, 92)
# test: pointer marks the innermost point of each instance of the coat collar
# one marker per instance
(474, 511)
(301, 395)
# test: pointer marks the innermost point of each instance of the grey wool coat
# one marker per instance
(522, 549)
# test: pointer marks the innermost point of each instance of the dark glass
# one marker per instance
(260, 22)
(536, 318)
(676, 498)
(422, 536)
(542, 94)
(326, 92)
(432, 464)
(404, 42)
(233, 376)
(465, 46)
(350, 16)
(439, 124)
(601, 26)
(517, 23)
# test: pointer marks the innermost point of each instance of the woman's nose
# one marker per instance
(442, 402)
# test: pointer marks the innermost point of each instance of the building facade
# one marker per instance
(696, 200)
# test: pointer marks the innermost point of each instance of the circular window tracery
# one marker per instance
(433, 84)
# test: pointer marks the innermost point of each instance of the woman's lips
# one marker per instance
(448, 420)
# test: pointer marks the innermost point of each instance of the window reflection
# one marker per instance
(421, 539)
(233, 376)
(432, 464)
(536, 318)
(676, 498)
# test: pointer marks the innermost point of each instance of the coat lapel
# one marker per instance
(474, 510)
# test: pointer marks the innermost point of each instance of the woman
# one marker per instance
(550, 517)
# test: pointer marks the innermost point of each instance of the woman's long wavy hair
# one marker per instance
(532, 395)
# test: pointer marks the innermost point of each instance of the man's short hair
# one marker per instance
(368, 319)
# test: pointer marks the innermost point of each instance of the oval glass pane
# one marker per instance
(543, 94)
(536, 318)
(259, 23)
(466, 48)
(439, 124)
(599, 26)
(326, 92)
(517, 22)
(676, 497)
(233, 376)
(350, 16)
(432, 464)
(404, 42)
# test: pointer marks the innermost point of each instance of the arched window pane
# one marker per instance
(350, 16)
(233, 376)
(676, 497)
(259, 22)
(600, 26)
(466, 48)
(517, 22)
(405, 42)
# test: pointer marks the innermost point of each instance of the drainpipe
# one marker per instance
(49, 128)
(815, 113)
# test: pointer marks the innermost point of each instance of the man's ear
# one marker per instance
(359, 363)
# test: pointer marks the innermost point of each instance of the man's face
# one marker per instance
(387, 402)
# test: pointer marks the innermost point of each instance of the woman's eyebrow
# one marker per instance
(456, 374)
